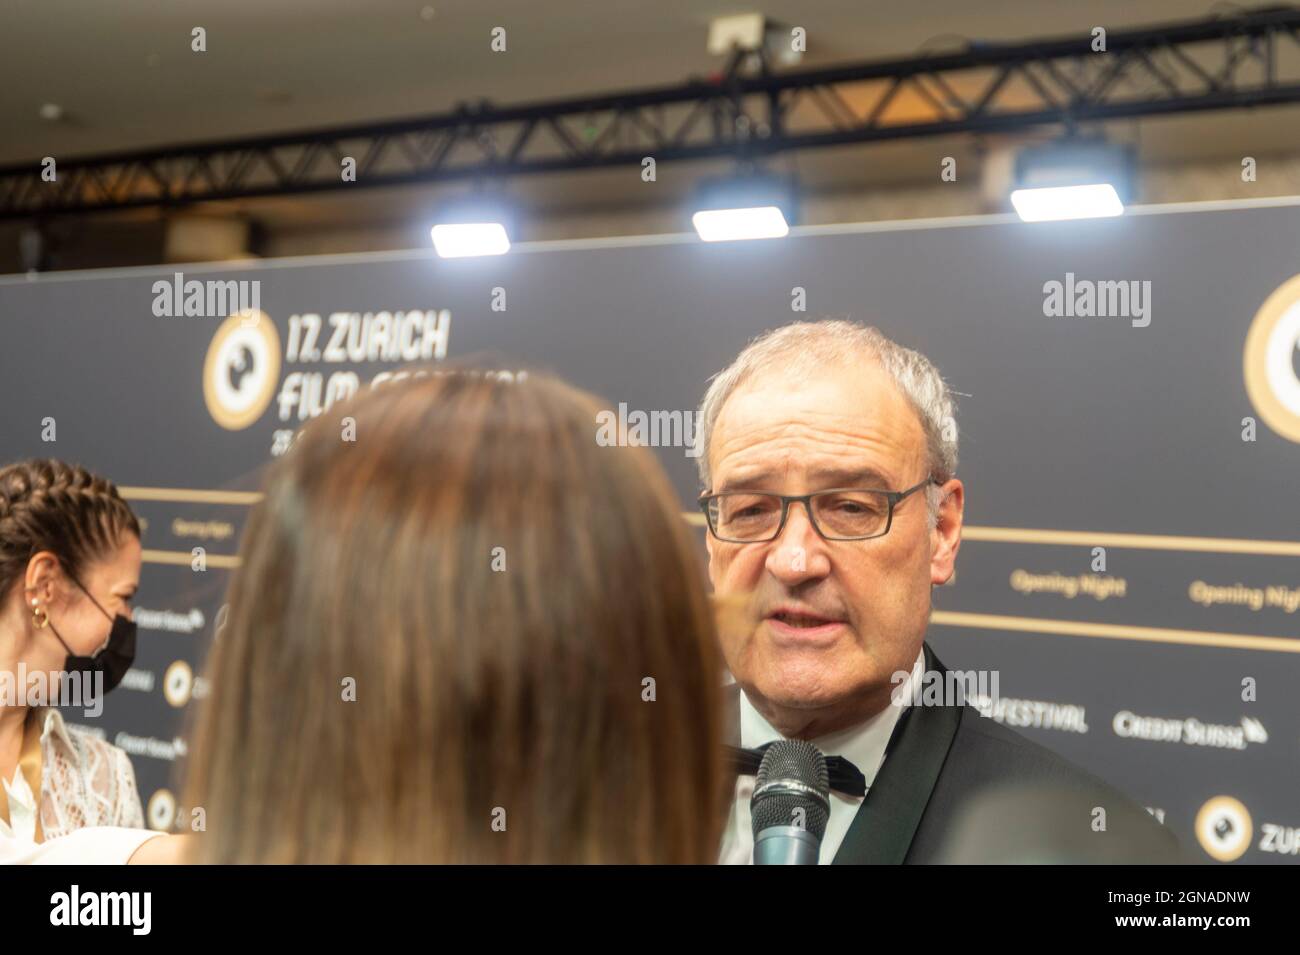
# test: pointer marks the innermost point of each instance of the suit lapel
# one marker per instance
(882, 830)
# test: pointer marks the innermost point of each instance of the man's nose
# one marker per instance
(799, 554)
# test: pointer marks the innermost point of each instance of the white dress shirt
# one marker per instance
(863, 745)
(85, 781)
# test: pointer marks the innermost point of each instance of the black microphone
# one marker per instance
(791, 804)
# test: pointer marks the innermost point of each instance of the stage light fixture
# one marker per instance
(454, 240)
(473, 225)
(750, 206)
(1073, 178)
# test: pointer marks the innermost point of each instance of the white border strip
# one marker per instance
(619, 242)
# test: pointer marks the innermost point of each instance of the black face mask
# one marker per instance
(114, 658)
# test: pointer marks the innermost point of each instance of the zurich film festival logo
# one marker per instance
(242, 369)
(1223, 828)
(1272, 360)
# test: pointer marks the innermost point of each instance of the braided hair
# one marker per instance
(62, 508)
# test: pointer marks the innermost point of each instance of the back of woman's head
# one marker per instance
(49, 505)
(463, 631)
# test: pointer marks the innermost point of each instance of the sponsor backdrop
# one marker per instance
(1129, 422)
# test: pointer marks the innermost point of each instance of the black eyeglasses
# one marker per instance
(838, 514)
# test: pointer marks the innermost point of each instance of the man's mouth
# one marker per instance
(802, 624)
(800, 619)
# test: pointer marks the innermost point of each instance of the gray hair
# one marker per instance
(805, 348)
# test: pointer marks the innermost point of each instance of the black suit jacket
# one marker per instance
(957, 786)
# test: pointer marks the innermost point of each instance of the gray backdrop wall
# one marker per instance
(1076, 433)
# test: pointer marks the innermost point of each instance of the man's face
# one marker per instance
(865, 604)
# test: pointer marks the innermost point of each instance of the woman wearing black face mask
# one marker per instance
(69, 566)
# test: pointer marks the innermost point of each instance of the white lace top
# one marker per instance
(85, 781)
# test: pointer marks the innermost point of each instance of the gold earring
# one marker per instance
(40, 617)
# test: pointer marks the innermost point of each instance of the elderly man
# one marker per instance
(828, 458)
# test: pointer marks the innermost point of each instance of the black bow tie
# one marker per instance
(844, 776)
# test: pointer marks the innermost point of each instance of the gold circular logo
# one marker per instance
(1270, 360)
(161, 812)
(242, 369)
(1223, 828)
(178, 682)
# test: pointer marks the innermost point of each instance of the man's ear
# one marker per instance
(945, 537)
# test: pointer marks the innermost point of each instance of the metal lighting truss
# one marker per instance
(748, 112)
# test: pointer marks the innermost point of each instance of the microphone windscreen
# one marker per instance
(791, 777)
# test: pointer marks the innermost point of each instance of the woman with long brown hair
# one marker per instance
(463, 631)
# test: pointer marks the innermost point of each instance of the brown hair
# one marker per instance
(62, 508)
(497, 588)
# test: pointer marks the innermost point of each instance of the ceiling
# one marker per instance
(125, 77)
